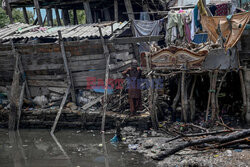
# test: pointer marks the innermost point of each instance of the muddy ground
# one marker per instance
(149, 143)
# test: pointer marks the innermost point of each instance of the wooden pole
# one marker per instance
(66, 19)
(14, 95)
(244, 96)
(88, 13)
(20, 105)
(69, 75)
(115, 10)
(75, 17)
(183, 94)
(58, 19)
(150, 94)
(191, 100)
(38, 12)
(217, 95)
(9, 11)
(176, 99)
(129, 9)
(49, 17)
(213, 100)
(60, 110)
(209, 95)
(25, 15)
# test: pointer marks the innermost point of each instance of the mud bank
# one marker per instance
(90, 120)
(150, 143)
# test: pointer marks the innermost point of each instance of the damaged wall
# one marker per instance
(43, 63)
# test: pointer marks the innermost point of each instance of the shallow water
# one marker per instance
(37, 148)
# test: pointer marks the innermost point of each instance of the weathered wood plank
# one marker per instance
(47, 77)
(42, 83)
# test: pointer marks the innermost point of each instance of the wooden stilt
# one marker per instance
(65, 15)
(129, 9)
(183, 94)
(150, 94)
(38, 12)
(209, 95)
(106, 14)
(213, 100)
(176, 99)
(49, 17)
(115, 10)
(60, 110)
(192, 101)
(75, 16)
(217, 95)
(8, 11)
(87, 10)
(107, 56)
(25, 15)
(244, 96)
(69, 75)
(58, 19)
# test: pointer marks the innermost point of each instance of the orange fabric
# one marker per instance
(238, 22)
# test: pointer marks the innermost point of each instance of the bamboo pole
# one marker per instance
(115, 10)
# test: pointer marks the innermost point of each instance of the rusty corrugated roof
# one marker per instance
(21, 30)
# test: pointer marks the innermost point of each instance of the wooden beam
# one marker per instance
(129, 9)
(87, 10)
(75, 17)
(25, 15)
(49, 17)
(65, 15)
(58, 19)
(137, 39)
(69, 75)
(115, 10)
(38, 12)
(9, 11)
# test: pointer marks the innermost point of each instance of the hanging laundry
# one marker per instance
(174, 20)
(231, 30)
(146, 28)
(196, 15)
(202, 8)
(213, 8)
(222, 9)
(144, 16)
(192, 26)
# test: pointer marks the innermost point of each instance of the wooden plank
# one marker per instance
(38, 12)
(47, 77)
(127, 40)
(46, 83)
(93, 102)
(89, 18)
(43, 67)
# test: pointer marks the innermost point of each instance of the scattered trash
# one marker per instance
(133, 146)
(100, 145)
(40, 100)
(238, 150)
(114, 139)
